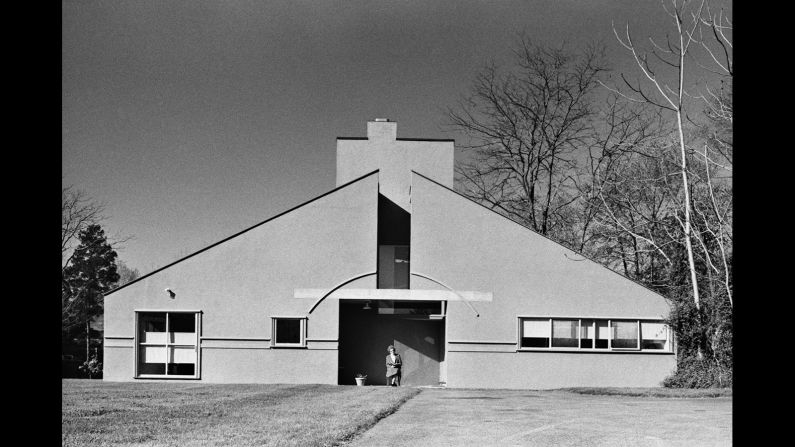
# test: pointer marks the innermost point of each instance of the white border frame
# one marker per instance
(136, 345)
(301, 344)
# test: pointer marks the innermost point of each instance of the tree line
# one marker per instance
(89, 268)
(631, 169)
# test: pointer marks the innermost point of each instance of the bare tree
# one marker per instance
(674, 55)
(126, 274)
(637, 207)
(527, 127)
(715, 38)
(626, 132)
(78, 211)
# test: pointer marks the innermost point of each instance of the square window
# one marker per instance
(654, 335)
(564, 333)
(535, 333)
(625, 335)
(289, 332)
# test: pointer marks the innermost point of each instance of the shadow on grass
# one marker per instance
(368, 424)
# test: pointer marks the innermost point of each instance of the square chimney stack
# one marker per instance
(395, 158)
(381, 129)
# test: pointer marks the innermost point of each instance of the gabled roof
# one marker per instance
(243, 231)
(539, 234)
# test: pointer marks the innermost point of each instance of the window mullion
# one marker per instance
(609, 334)
(637, 333)
(168, 317)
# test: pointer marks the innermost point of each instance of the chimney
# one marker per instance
(381, 129)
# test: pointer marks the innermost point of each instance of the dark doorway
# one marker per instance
(394, 228)
(367, 328)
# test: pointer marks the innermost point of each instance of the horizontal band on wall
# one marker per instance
(119, 337)
(252, 343)
(487, 351)
(280, 348)
(482, 342)
(236, 347)
(119, 343)
(176, 311)
(235, 338)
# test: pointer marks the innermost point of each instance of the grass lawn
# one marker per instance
(187, 414)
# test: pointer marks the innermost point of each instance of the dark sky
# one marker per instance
(195, 119)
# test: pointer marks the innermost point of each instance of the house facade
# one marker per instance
(391, 256)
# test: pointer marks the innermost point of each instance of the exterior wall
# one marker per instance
(241, 282)
(547, 370)
(269, 365)
(468, 247)
(394, 158)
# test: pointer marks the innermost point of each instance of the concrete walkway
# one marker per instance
(449, 417)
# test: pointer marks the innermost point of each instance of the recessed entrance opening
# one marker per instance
(411, 326)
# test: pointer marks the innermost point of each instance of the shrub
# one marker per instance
(704, 341)
(694, 373)
(92, 367)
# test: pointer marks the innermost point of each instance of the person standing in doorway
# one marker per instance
(393, 366)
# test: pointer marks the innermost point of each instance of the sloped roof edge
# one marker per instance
(545, 237)
(243, 231)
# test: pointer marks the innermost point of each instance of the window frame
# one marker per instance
(520, 333)
(302, 332)
(614, 330)
(552, 333)
(669, 337)
(669, 341)
(197, 324)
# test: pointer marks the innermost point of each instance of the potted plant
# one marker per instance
(360, 379)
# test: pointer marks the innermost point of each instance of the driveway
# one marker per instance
(450, 417)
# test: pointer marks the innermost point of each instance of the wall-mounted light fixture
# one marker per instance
(367, 306)
(170, 293)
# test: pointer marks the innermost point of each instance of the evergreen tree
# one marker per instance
(90, 273)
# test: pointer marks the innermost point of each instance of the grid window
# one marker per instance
(591, 334)
(167, 344)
